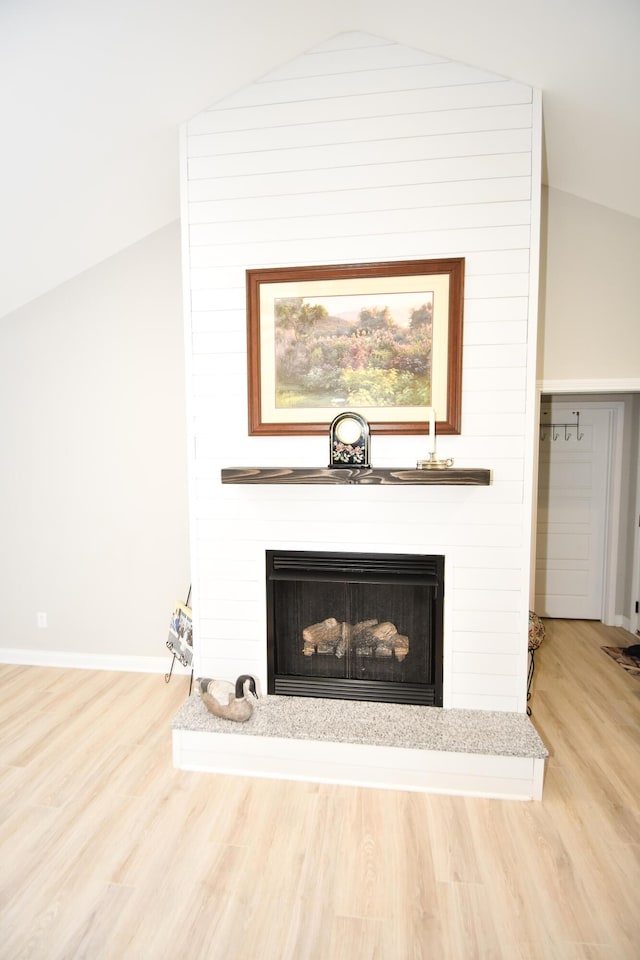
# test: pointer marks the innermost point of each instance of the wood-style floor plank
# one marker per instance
(108, 853)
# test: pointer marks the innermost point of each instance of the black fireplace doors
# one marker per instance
(358, 626)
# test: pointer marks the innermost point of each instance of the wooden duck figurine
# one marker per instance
(225, 700)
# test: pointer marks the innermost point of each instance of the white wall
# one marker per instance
(589, 338)
(363, 150)
(590, 322)
(93, 490)
(71, 541)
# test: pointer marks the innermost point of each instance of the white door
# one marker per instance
(573, 497)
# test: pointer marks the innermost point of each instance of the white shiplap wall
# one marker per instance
(364, 150)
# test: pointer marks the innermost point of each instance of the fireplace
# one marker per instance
(357, 626)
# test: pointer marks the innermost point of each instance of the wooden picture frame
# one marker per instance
(382, 339)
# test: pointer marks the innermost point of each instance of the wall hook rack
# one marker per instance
(556, 429)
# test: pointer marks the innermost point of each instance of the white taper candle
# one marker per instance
(432, 430)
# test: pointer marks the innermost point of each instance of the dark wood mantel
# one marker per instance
(450, 476)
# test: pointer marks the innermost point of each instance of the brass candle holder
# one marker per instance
(433, 464)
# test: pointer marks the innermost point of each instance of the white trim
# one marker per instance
(627, 385)
(634, 615)
(188, 363)
(613, 511)
(612, 387)
(90, 661)
(533, 544)
(530, 491)
(613, 505)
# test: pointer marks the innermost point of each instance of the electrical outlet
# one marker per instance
(42, 621)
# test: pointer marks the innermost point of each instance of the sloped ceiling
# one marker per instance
(93, 94)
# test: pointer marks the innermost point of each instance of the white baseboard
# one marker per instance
(91, 661)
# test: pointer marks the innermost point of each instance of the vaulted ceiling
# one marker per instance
(92, 95)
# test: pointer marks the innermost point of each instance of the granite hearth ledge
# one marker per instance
(448, 476)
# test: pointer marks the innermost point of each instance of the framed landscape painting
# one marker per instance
(382, 339)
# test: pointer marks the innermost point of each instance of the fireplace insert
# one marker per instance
(358, 626)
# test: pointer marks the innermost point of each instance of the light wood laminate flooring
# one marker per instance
(106, 851)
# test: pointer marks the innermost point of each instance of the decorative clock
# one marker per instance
(349, 441)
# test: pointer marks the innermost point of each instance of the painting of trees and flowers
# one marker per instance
(354, 351)
(383, 339)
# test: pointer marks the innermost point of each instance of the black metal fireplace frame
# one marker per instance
(342, 567)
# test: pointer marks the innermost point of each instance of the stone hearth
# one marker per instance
(396, 746)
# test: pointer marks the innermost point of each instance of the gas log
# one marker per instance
(322, 637)
(370, 638)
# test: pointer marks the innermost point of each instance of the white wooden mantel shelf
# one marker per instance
(449, 476)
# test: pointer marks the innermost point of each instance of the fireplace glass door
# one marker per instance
(355, 626)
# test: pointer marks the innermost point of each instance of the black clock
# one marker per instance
(349, 441)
